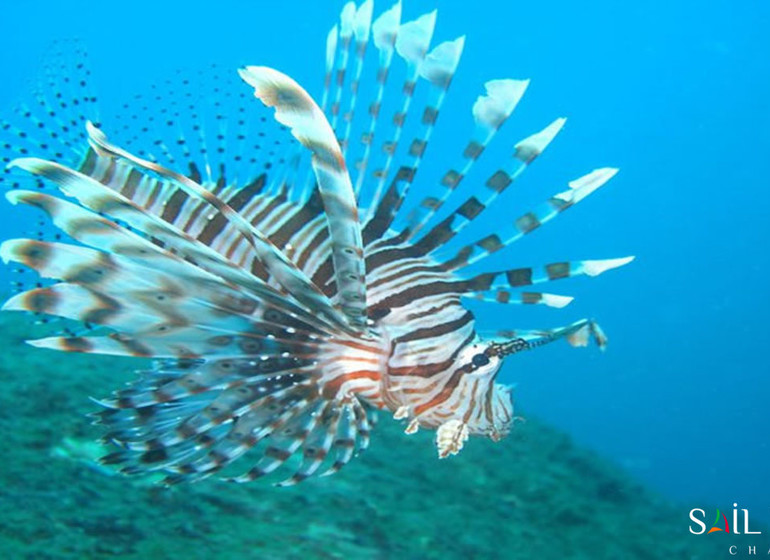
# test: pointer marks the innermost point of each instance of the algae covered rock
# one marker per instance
(534, 495)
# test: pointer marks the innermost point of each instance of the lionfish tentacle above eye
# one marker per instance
(281, 313)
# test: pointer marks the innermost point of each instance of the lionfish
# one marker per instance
(284, 294)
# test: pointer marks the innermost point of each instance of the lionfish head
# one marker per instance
(491, 410)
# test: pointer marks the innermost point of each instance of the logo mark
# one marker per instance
(716, 521)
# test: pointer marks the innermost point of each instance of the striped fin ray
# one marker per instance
(412, 43)
(155, 311)
(526, 151)
(98, 232)
(172, 382)
(280, 267)
(438, 68)
(237, 400)
(490, 111)
(331, 49)
(352, 435)
(183, 331)
(528, 276)
(578, 190)
(297, 110)
(317, 446)
(384, 31)
(98, 198)
(502, 295)
(289, 435)
(212, 433)
(361, 29)
(344, 40)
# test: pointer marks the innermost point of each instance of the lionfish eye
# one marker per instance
(480, 360)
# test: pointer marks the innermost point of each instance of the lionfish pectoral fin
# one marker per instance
(295, 108)
(191, 423)
(450, 438)
(279, 265)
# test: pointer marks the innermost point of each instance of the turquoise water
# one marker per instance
(673, 93)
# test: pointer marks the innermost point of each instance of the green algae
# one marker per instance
(533, 495)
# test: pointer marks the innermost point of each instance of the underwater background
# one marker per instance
(619, 446)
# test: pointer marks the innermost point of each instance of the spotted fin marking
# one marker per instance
(297, 110)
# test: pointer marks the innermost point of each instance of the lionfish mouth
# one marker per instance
(235, 251)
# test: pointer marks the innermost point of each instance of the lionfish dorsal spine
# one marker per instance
(384, 31)
(297, 110)
(490, 111)
(412, 42)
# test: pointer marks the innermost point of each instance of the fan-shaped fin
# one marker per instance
(96, 197)
(280, 267)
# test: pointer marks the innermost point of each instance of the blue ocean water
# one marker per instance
(673, 93)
